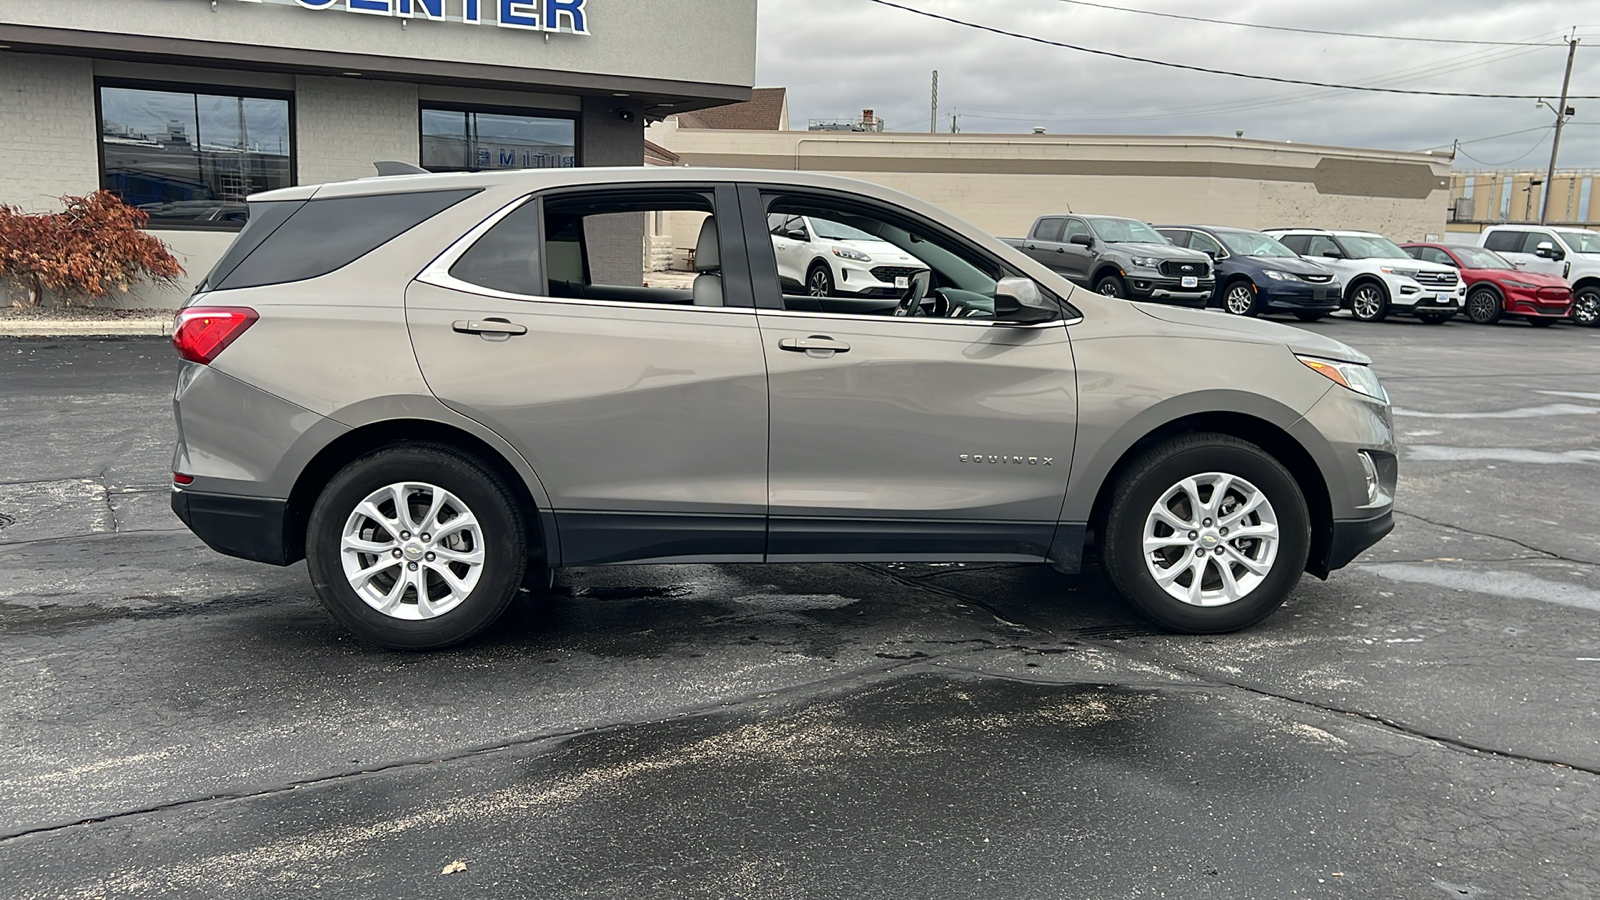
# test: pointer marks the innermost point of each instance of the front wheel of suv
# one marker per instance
(416, 547)
(1586, 307)
(1206, 534)
(1369, 302)
(1112, 286)
(819, 281)
(1484, 306)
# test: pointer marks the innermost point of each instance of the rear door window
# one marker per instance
(323, 236)
(1049, 229)
(1507, 241)
(1296, 242)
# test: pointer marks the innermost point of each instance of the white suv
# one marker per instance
(1378, 276)
(823, 258)
(1569, 253)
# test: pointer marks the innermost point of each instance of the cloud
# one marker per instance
(839, 57)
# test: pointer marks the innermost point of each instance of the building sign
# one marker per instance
(567, 16)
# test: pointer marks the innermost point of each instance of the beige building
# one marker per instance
(1000, 182)
(1492, 196)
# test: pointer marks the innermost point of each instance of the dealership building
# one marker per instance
(186, 107)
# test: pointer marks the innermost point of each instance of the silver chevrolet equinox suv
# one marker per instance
(437, 388)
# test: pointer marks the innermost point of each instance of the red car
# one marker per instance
(1497, 288)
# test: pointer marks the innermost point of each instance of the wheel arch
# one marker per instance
(1277, 442)
(1367, 278)
(1489, 286)
(1587, 282)
(1104, 269)
(353, 444)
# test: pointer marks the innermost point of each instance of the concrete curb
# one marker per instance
(85, 327)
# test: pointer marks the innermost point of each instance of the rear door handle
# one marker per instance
(816, 345)
(490, 329)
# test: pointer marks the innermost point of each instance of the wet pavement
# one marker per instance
(1424, 724)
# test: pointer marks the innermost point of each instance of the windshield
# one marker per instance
(1476, 258)
(1253, 243)
(838, 231)
(1125, 231)
(1370, 247)
(1581, 241)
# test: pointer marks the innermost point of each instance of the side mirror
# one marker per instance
(1020, 300)
(1547, 250)
(796, 235)
(1210, 253)
(1332, 254)
(1082, 240)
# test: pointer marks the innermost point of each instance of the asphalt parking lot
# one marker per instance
(1424, 724)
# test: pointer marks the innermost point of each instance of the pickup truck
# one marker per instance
(1119, 257)
(1571, 254)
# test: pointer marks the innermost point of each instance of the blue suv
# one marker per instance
(1256, 274)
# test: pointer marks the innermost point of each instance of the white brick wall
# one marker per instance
(344, 125)
(48, 140)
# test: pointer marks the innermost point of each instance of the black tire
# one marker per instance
(1484, 306)
(1540, 321)
(1310, 316)
(1586, 307)
(1240, 298)
(1369, 301)
(819, 280)
(1112, 286)
(504, 541)
(1435, 318)
(1149, 478)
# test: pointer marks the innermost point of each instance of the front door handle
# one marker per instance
(818, 345)
(489, 329)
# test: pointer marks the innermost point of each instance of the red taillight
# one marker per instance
(180, 478)
(202, 332)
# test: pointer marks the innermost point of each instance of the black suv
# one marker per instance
(1256, 274)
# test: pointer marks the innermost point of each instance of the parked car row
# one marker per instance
(1538, 274)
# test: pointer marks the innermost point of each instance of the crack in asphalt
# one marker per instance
(1499, 537)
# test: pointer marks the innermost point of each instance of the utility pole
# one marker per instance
(933, 110)
(953, 128)
(1562, 114)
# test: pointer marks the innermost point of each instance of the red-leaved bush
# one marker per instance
(96, 244)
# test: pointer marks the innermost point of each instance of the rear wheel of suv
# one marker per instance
(1206, 533)
(1112, 286)
(416, 547)
(1586, 307)
(1483, 306)
(1241, 299)
(1369, 302)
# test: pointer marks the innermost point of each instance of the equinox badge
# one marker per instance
(1003, 460)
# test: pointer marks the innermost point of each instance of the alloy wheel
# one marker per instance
(1211, 539)
(821, 283)
(1240, 299)
(412, 551)
(1586, 310)
(1366, 303)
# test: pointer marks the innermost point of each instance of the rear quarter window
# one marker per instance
(323, 236)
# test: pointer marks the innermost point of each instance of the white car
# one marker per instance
(1572, 254)
(1378, 276)
(824, 258)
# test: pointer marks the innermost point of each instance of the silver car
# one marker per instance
(437, 388)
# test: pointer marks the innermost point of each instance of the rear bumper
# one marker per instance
(246, 527)
(1351, 537)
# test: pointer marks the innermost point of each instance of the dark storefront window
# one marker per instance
(455, 140)
(189, 158)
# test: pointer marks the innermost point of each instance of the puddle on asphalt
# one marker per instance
(1498, 584)
(1525, 412)
(1435, 453)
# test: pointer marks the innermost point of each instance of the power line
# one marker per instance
(1350, 34)
(1490, 138)
(1188, 68)
(1547, 129)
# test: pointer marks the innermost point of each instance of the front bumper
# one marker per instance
(246, 527)
(1169, 290)
(862, 279)
(1301, 296)
(1351, 537)
(1546, 302)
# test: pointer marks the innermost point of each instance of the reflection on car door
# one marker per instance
(643, 414)
(911, 438)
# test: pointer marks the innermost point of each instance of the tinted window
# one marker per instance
(1299, 243)
(326, 235)
(1177, 237)
(1049, 229)
(191, 157)
(638, 245)
(1506, 241)
(1534, 239)
(1435, 255)
(507, 257)
(1076, 227)
(263, 221)
(1204, 243)
(1318, 245)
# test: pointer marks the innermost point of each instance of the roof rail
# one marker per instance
(389, 167)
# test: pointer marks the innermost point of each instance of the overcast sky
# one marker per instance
(838, 57)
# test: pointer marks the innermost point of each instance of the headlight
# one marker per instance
(1358, 378)
(1145, 262)
(847, 253)
(1408, 273)
(1518, 284)
(1281, 276)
